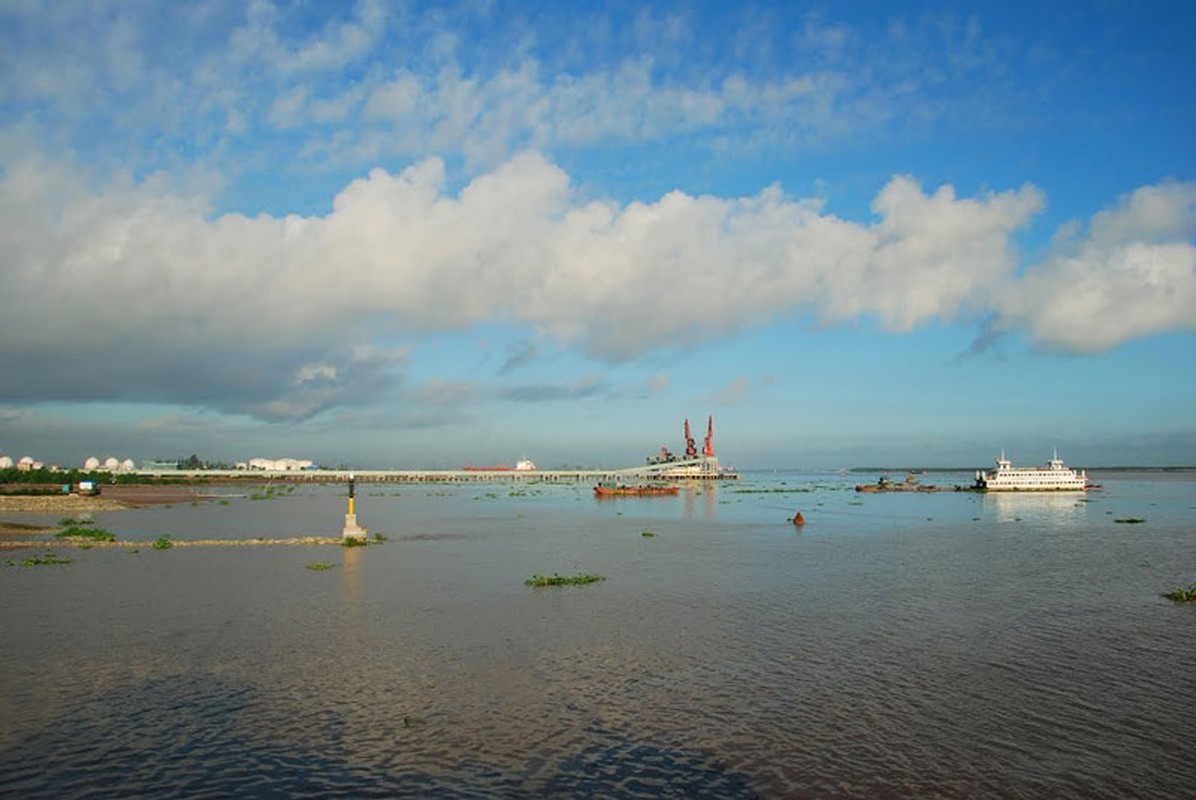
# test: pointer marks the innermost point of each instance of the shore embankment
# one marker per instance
(54, 542)
(111, 498)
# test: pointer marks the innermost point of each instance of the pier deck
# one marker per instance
(435, 476)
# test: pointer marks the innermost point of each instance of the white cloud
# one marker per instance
(370, 83)
(1132, 275)
(141, 268)
(396, 98)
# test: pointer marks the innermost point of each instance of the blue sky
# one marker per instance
(390, 234)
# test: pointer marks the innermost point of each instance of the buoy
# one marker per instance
(799, 520)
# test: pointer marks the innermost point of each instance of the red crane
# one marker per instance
(691, 449)
(708, 450)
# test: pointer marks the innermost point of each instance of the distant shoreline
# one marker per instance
(973, 469)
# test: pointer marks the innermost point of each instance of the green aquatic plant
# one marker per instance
(86, 531)
(133, 550)
(1129, 520)
(163, 542)
(223, 502)
(355, 541)
(318, 567)
(647, 534)
(48, 560)
(1185, 595)
(541, 581)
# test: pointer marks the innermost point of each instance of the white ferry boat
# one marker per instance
(1054, 477)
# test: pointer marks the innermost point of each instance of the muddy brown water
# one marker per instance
(940, 645)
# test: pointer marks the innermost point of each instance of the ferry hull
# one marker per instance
(1054, 477)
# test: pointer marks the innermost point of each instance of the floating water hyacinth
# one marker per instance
(1187, 595)
(541, 581)
(77, 529)
(49, 559)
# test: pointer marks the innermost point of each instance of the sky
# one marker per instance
(422, 235)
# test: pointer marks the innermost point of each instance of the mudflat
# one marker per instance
(111, 498)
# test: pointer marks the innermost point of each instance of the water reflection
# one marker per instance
(1055, 508)
(350, 590)
(699, 492)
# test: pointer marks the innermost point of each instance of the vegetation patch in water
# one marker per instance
(1187, 595)
(163, 542)
(647, 534)
(48, 560)
(542, 581)
(1129, 520)
(318, 567)
(85, 530)
(362, 541)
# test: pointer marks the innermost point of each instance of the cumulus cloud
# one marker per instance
(1132, 273)
(136, 291)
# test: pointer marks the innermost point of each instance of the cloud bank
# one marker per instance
(136, 291)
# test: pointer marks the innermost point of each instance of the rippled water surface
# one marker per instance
(947, 644)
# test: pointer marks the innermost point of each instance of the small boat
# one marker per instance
(606, 489)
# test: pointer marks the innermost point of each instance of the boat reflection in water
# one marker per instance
(1054, 508)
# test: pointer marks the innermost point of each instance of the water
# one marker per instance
(929, 645)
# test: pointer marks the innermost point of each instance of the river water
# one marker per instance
(898, 645)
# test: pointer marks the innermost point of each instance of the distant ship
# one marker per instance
(522, 465)
(1054, 477)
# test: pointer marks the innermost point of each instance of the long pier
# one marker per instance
(681, 471)
(431, 476)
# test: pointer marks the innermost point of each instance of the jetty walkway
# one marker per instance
(425, 476)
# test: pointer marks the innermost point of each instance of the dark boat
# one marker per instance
(640, 490)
